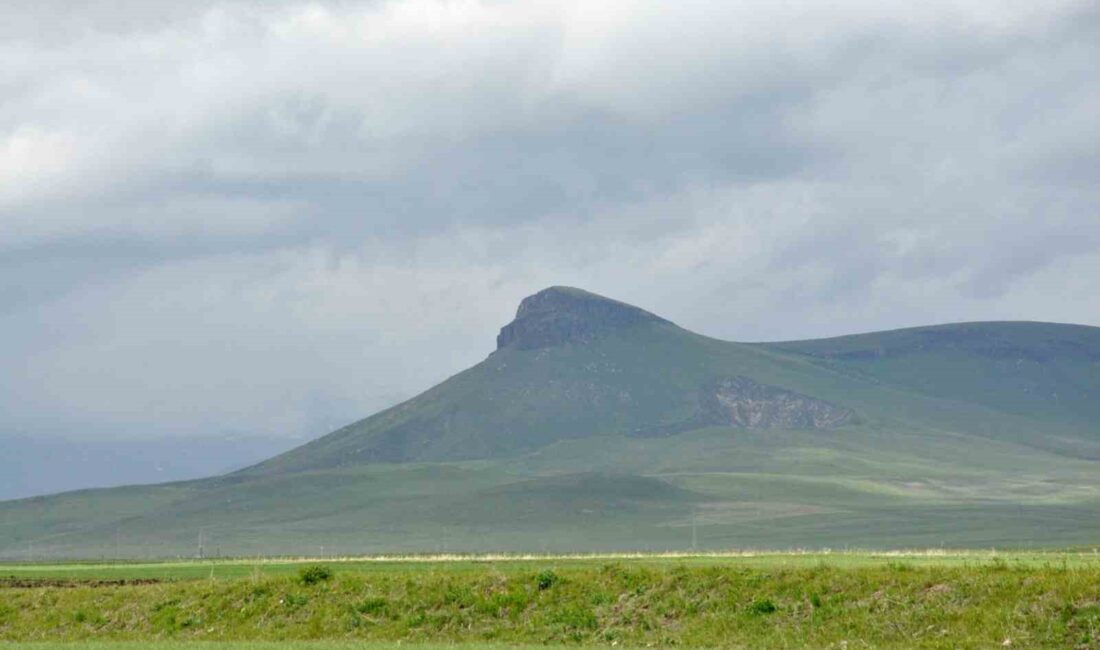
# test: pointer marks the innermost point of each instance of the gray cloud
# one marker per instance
(275, 217)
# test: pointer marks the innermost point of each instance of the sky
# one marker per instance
(272, 218)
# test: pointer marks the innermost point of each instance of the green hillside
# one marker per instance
(1032, 383)
(1043, 371)
(596, 425)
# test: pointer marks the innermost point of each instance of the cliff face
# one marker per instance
(560, 315)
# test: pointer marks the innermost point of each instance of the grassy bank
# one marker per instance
(898, 604)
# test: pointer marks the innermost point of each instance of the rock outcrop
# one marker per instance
(560, 315)
(743, 403)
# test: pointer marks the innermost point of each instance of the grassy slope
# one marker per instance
(518, 401)
(565, 469)
(603, 603)
(1041, 370)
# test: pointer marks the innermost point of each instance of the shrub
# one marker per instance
(546, 579)
(313, 574)
(765, 606)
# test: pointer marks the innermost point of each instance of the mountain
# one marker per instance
(599, 425)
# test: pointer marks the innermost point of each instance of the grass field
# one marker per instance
(804, 600)
(248, 645)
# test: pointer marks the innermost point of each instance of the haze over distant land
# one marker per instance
(272, 218)
(598, 425)
(36, 465)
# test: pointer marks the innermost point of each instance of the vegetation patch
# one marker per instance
(546, 579)
(765, 606)
(314, 573)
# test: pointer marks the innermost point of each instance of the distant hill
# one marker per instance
(1039, 370)
(599, 425)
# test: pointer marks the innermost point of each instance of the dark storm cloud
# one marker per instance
(291, 214)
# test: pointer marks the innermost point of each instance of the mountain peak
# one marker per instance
(558, 315)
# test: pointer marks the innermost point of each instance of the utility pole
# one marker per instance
(201, 552)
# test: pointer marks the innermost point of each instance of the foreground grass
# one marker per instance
(897, 605)
(249, 645)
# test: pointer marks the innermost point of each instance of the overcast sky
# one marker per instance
(275, 217)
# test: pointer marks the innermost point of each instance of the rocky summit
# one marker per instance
(561, 315)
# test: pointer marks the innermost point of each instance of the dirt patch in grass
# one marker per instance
(940, 588)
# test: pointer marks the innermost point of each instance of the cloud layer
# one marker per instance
(275, 217)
